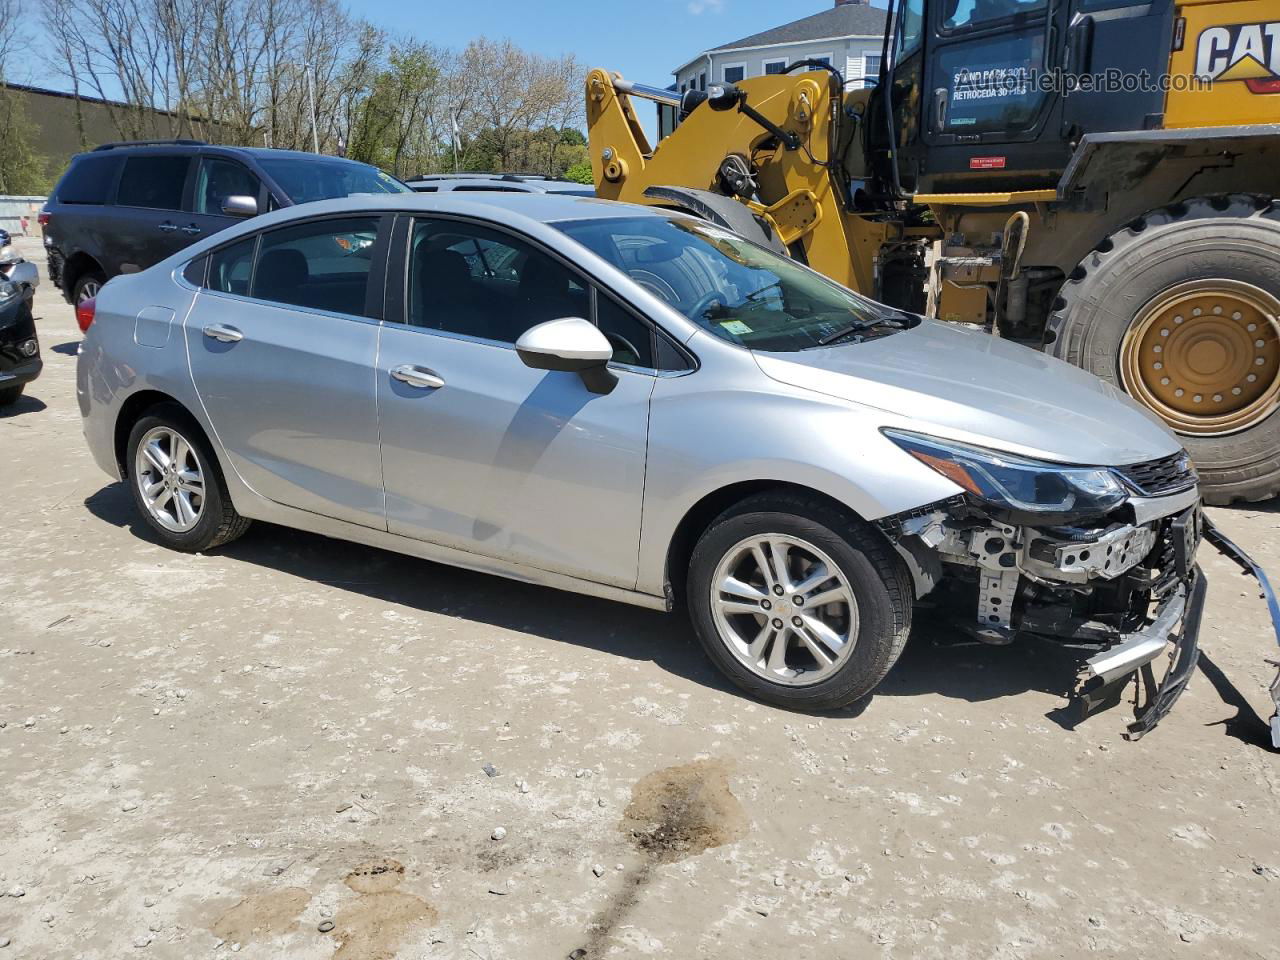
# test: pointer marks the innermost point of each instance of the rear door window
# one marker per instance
(231, 268)
(323, 265)
(153, 182)
(89, 180)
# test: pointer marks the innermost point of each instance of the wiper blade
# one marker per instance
(901, 319)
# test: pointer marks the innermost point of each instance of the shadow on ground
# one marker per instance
(67, 349)
(24, 404)
(936, 660)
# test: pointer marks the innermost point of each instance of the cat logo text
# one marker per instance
(1247, 53)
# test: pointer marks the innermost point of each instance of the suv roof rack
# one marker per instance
(150, 143)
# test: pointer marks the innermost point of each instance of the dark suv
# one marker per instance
(124, 206)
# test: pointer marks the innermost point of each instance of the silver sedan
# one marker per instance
(634, 404)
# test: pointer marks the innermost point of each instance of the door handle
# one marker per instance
(222, 333)
(191, 229)
(168, 227)
(940, 108)
(416, 376)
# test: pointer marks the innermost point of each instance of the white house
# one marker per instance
(849, 36)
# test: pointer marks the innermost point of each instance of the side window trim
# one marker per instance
(397, 290)
(376, 289)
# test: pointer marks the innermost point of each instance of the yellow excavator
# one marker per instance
(1098, 178)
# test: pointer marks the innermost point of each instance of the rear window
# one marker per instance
(88, 180)
(153, 182)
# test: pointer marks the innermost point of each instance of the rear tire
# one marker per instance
(742, 641)
(187, 507)
(87, 285)
(10, 395)
(1222, 242)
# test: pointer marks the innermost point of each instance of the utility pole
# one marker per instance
(311, 98)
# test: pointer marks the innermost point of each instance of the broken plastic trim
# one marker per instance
(1106, 675)
(1229, 550)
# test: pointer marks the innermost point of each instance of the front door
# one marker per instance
(217, 178)
(486, 455)
(283, 341)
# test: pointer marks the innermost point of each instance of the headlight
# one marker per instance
(1008, 482)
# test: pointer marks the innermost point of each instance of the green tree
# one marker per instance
(580, 172)
(22, 170)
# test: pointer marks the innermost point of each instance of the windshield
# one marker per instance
(327, 178)
(727, 285)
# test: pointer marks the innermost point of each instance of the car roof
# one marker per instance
(544, 207)
(195, 146)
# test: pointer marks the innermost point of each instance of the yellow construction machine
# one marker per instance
(1100, 178)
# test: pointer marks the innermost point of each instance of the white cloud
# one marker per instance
(698, 7)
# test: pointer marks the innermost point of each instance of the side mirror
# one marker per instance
(240, 206)
(571, 345)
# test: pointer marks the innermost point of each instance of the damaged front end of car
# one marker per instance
(1100, 559)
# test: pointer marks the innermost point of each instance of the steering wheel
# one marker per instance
(703, 305)
(624, 351)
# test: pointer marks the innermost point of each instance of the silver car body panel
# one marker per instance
(511, 462)
(970, 386)
(293, 403)
(534, 477)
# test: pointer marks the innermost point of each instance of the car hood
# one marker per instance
(970, 386)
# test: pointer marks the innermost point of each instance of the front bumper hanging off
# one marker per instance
(1232, 552)
(1105, 675)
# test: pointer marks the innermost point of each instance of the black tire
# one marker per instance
(880, 582)
(10, 395)
(219, 523)
(82, 284)
(1233, 237)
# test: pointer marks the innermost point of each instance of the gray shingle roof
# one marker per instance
(846, 20)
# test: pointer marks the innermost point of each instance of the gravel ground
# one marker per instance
(301, 748)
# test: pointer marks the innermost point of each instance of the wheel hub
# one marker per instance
(1205, 355)
(784, 609)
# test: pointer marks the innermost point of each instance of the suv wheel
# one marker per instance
(176, 483)
(87, 286)
(10, 395)
(799, 605)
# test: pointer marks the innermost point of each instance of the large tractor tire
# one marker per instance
(1181, 309)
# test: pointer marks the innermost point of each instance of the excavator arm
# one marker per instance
(766, 145)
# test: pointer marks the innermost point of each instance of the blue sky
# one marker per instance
(644, 40)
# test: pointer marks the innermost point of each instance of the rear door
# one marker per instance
(282, 340)
(147, 217)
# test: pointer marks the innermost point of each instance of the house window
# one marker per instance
(871, 66)
(822, 58)
(702, 81)
(734, 72)
(774, 67)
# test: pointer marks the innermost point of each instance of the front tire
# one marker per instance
(10, 395)
(798, 602)
(1179, 310)
(176, 484)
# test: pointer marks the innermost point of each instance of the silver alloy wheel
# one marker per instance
(170, 479)
(89, 291)
(784, 609)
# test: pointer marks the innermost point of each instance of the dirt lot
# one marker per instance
(280, 750)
